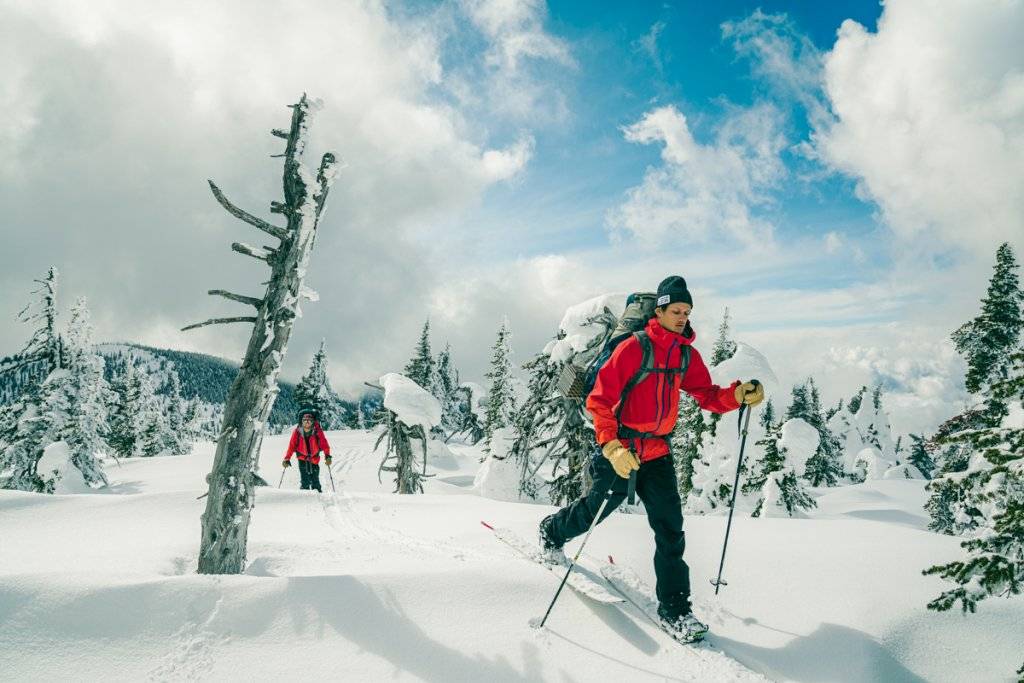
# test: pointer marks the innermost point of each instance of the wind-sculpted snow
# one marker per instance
(411, 403)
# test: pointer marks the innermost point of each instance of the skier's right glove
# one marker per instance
(622, 460)
(286, 463)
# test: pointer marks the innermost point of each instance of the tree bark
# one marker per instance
(230, 499)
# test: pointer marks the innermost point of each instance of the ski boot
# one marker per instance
(682, 625)
(550, 551)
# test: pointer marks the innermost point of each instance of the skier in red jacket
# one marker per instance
(308, 442)
(634, 436)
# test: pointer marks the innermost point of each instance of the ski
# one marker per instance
(579, 582)
(632, 588)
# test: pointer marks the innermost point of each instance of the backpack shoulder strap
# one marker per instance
(646, 363)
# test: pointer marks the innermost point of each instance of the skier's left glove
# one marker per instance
(750, 393)
(327, 459)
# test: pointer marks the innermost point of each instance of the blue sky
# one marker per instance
(837, 174)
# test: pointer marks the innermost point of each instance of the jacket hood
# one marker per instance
(665, 338)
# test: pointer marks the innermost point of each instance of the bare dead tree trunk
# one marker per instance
(230, 497)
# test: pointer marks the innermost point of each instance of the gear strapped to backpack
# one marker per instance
(576, 383)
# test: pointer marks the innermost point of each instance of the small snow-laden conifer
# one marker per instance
(420, 368)
(688, 439)
(23, 436)
(404, 444)
(551, 442)
(179, 434)
(314, 391)
(500, 395)
(825, 467)
(470, 422)
(800, 404)
(137, 424)
(45, 344)
(150, 423)
(723, 350)
(994, 566)
(854, 405)
(772, 460)
(411, 413)
(781, 488)
(88, 393)
(444, 385)
(25, 429)
(920, 457)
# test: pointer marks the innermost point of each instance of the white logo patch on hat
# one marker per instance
(664, 299)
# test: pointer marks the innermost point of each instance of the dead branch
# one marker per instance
(248, 250)
(222, 321)
(240, 298)
(279, 233)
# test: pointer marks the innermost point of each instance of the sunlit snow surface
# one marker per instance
(366, 585)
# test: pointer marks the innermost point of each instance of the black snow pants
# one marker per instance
(656, 486)
(310, 473)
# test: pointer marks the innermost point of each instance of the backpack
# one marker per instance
(576, 383)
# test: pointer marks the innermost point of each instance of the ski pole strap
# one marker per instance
(631, 488)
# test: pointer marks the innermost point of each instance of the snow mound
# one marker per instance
(410, 402)
(800, 441)
(498, 477)
(577, 328)
(56, 460)
(746, 364)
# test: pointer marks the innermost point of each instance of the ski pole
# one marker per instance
(718, 583)
(332, 479)
(579, 552)
(283, 470)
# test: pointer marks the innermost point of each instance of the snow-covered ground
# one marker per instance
(368, 585)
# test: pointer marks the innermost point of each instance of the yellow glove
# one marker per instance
(622, 460)
(750, 393)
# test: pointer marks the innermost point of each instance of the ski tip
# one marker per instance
(487, 525)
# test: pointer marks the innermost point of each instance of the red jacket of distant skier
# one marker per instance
(653, 404)
(308, 447)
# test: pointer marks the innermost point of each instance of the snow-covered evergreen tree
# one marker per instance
(138, 426)
(420, 368)
(179, 435)
(86, 420)
(985, 340)
(724, 347)
(45, 343)
(25, 429)
(994, 489)
(772, 460)
(687, 440)
(825, 467)
(444, 385)
(500, 397)
(723, 350)
(788, 448)
(314, 391)
(990, 343)
(920, 457)
(411, 413)
(799, 404)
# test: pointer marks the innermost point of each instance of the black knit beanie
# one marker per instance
(671, 290)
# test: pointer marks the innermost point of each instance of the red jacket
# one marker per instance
(308, 451)
(653, 404)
